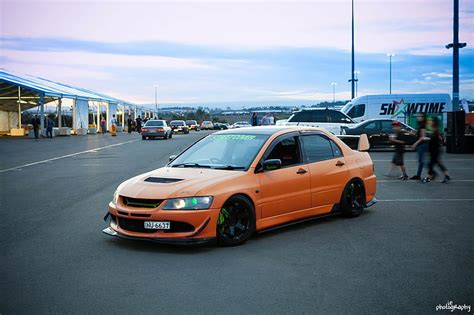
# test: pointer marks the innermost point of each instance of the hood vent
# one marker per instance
(162, 180)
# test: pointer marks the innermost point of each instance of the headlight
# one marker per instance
(115, 198)
(191, 203)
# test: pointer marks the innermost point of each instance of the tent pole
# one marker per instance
(74, 115)
(107, 113)
(98, 117)
(41, 112)
(19, 108)
(60, 102)
(123, 118)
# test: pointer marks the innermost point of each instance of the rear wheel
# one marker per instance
(236, 221)
(143, 138)
(171, 135)
(353, 199)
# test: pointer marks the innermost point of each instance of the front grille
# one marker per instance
(141, 203)
(138, 226)
(162, 180)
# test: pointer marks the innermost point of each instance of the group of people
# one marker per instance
(138, 123)
(425, 143)
(265, 121)
(36, 122)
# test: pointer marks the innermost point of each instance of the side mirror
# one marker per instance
(363, 144)
(172, 157)
(272, 164)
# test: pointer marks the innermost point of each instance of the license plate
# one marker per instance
(157, 225)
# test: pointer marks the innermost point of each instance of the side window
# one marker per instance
(386, 125)
(338, 117)
(303, 116)
(359, 110)
(318, 116)
(372, 126)
(335, 149)
(287, 150)
(351, 112)
(317, 148)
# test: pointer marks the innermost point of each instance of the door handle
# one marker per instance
(339, 163)
(301, 171)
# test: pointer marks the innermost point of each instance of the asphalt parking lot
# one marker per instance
(410, 252)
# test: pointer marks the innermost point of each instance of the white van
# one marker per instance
(330, 119)
(397, 106)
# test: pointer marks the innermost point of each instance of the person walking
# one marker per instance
(139, 124)
(434, 148)
(396, 139)
(421, 145)
(129, 124)
(266, 120)
(113, 126)
(254, 119)
(49, 128)
(36, 124)
(103, 125)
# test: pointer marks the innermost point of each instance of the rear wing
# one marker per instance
(359, 143)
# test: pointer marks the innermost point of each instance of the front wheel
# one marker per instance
(353, 199)
(236, 221)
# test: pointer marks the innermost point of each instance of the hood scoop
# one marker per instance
(163, 180)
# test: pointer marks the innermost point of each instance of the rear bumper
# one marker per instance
(154, 134)
(177, 241)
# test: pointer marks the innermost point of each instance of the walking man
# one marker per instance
(435, 152)
(36, 123)
(49, 127)
(139, 124)
(399, 149)
(129, 124)
(421, 145)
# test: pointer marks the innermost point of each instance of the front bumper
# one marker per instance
(371, 202)
(177, 241)
(186, 227)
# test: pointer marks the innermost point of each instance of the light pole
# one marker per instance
(156, 100)
(353, 57)
(356, 81)
(333, 91)
(390, 55)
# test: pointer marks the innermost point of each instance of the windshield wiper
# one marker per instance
(229, 167)
(190, 165)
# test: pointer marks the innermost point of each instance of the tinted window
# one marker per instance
(177, 123)
(359, 110)
(371, 126)
(386, 125)
(287, 150)
(317, 148)
(336, 151)
(303, 116)
(338, 117)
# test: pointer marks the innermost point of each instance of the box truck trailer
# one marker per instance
(401, 107)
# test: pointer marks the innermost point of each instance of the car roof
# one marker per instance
(268, 130)
(317, 108)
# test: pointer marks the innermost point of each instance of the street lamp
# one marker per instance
(356, 81)
(390, 55)
(333, 91)
(156, 100)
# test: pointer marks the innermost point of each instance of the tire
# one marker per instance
(236, 221)
(353, 199)
(143, 138)
(171, 135)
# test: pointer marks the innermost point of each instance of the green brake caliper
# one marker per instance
(223, 215)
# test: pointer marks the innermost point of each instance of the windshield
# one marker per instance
(191, 122)
(177, 123)
(154, 123)
(222, 151)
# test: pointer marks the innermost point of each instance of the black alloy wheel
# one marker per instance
(236, 221)
(353, 199)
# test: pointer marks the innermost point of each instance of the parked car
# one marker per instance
(240, 124)
(329, 119)
(378, 132)
(156, 129)
(207, 125)
(233, 183)
(193, 125)
(221, 126)
(179, 126)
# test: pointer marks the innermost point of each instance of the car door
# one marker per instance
(386, 130)
(287, 189)
(328, 170)
(372, 130)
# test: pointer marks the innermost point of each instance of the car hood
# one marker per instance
(189, 182)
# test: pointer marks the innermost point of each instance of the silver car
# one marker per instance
(156, 129)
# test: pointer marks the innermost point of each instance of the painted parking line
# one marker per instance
(425, 200)
(67, 156)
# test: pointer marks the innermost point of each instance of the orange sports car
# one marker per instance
(233, 183)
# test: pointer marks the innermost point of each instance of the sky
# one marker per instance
(237, 52)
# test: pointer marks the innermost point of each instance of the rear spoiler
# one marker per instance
(359, 143)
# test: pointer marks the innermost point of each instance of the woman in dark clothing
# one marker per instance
(434, 147)
(421, 145)
(129, 124)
